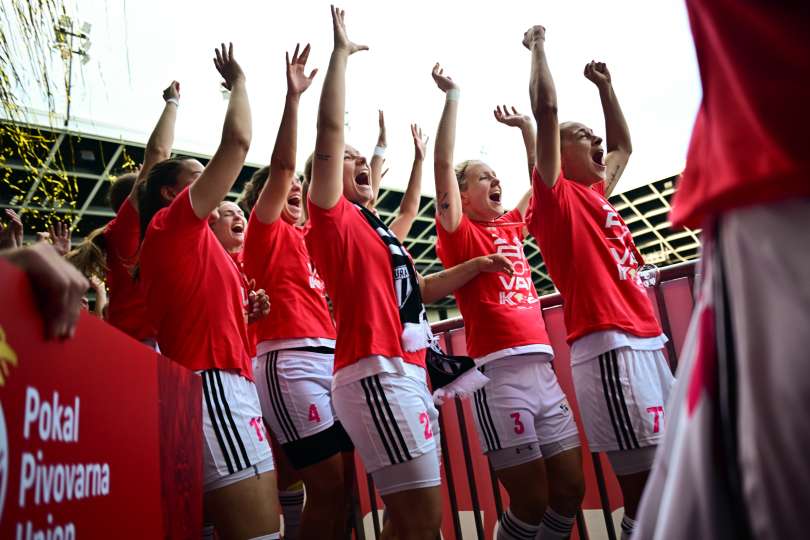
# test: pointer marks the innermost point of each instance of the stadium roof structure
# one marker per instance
(49, 173)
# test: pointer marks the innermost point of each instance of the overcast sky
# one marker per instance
(139, 46)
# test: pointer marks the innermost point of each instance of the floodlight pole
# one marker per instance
(65, 28)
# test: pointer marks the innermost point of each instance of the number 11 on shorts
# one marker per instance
(658, 414)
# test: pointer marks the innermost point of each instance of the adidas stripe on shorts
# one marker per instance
(521, 404)
(622, 395)
(295, 392)
(235, 442)
(390, 418)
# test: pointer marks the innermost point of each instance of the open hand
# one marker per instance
(419, 142)
(227, 66)
(444, 82)
(495, 263)
(297, 79)
(534, 34)
(60, 237)
(11, 233)
(342, 41)
(513, 118)
(597, 73)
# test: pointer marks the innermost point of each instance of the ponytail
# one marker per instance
(90, 256)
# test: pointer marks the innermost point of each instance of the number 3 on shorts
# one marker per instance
(425, 419)
(519, 427)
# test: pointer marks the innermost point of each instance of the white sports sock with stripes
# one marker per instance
(555, 526)
(271, 536)
(292, 506)
(628, 524)
(511, 528)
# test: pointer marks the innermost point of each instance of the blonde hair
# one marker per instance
(90, 256)
(461, 170)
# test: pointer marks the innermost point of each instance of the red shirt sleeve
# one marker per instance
(450, 245)
(123, 232)
(544, 197)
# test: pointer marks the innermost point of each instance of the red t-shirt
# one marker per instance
(500, 312)
(194, 292)
(356, 267)
(749, 144)
(276, 256)
(591, 257)
(127, 308)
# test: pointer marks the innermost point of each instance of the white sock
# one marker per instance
(555, 526)
(628, 524)
(271, 536)
(511, 528)
(292, 505)
(207, 532)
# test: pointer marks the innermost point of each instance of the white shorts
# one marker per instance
(295, 392)
(522, 404)
(235, 443)
(621, 396)
(390, 418)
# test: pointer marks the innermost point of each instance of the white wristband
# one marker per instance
(453, 94)
(379, 151)
(174, 100)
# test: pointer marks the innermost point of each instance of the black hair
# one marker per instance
(150, 199)
(252, 190)
(120, 189)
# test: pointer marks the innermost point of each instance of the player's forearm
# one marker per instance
(618, 133)
(283, 157)
(441, 284)
(326, 187)
(542, 92)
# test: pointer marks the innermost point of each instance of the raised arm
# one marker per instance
(409, 207)
(326, 186)
(377, 160)
(619, 146)
(226, 163)
(159, 145)
(282, 163)
(448, 197)
(543, 96)
(526, 125)
(436, 286)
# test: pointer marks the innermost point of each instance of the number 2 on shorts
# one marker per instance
(425, 419)
(519, 427)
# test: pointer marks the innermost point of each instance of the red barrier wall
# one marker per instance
(99, 435)
(472, 499)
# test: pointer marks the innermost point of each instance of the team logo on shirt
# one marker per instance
(516, 289)
(623, 255)
(315, 281)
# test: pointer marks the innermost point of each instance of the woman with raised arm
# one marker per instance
(295, 344)
(621, 375)
(522, 416)
(379, 390)
(197, 298)
(127, 307)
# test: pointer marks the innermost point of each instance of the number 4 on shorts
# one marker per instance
(313, 413)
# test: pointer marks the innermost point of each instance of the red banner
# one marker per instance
(80, 451)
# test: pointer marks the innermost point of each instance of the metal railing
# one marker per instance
(477, 484)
